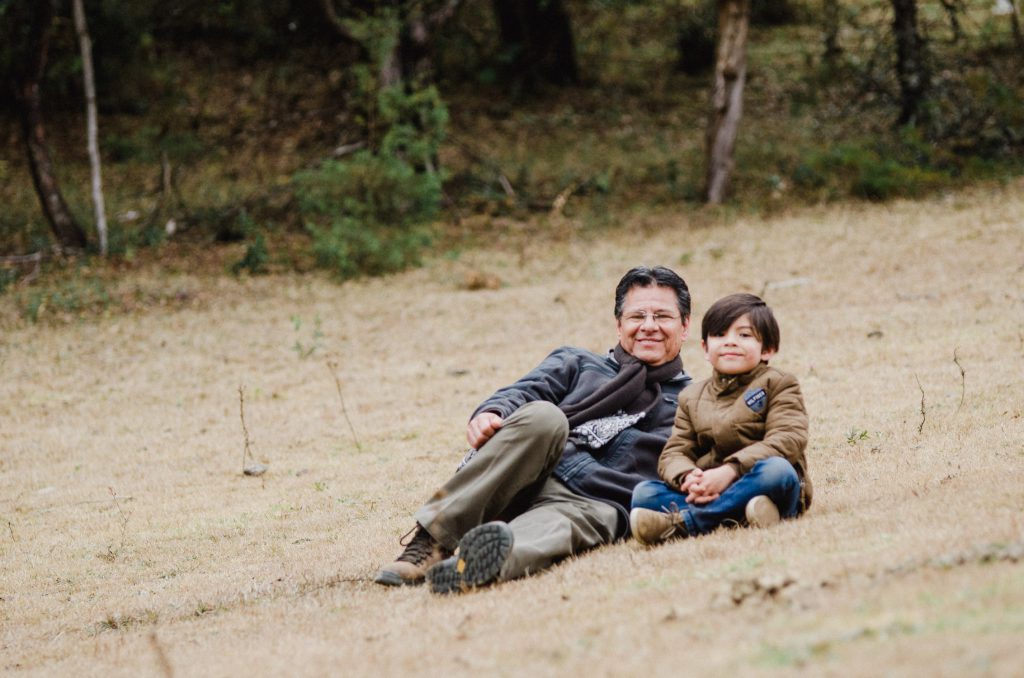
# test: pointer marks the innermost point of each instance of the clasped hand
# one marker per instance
(703, 487)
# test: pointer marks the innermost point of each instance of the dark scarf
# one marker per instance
(636, 388)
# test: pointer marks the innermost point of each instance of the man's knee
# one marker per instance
(543, 420)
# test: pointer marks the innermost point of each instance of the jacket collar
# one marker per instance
(727, 383)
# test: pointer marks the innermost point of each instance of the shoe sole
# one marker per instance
(762, 512)
(482, 552)
(391, 579)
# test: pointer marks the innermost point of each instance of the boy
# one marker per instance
(736, 453)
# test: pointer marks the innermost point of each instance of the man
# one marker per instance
(557, 453)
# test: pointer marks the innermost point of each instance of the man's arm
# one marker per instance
(549, 381)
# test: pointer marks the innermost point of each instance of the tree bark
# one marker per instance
(28, 98)
(831, 13)
(911, 69)
(85, 45)
(538, 36)
(726, 95)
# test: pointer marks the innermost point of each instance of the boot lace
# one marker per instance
(419, 548)
(676, 523)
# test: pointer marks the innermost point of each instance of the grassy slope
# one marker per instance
(132, 544)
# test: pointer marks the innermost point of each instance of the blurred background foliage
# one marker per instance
(356, 136)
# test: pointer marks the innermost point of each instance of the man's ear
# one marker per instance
(686, 328)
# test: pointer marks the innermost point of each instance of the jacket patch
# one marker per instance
(756, 400)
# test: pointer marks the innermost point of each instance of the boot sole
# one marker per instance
(482, 552)
(391, 579)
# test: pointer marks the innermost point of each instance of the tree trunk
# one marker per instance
(85, 44)
(537, 35)
(910, 65)
(831, 13)
(68, 232)
(726, 95)
(1015, 21)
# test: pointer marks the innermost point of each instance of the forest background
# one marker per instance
(252, 137)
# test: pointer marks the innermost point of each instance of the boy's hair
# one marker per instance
(726, 310)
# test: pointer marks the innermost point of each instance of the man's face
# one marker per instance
(650, 328)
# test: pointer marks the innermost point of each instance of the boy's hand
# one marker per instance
(708, 485)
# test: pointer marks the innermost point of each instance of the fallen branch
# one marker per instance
(36, 259)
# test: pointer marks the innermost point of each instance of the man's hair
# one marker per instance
(724, 312)
(642, 276)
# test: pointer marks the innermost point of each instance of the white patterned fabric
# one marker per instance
(596, 433)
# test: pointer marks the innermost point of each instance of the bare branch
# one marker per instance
(246, 450)
(335, 21)
(333, 366)
(963, 379)
(506, 185)
(924, 414)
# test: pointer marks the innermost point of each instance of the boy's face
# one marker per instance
(739, 350)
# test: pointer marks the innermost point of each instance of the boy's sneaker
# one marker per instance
(410, 568)
(653, 527)
(482, 552)
(762, 512)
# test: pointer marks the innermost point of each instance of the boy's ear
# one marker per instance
(767, 354)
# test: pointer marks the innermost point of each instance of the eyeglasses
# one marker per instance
(638, 318)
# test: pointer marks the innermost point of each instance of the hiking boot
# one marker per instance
(482, 552)
(653, 527)
(762, 512)
(410, 568)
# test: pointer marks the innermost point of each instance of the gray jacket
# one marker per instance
(609, 474)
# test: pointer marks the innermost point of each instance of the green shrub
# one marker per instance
(7, 277)
(256, 257)
(368, 214)
(907, 168)
(67, 299)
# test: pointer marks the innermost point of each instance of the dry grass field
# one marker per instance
(131, 543)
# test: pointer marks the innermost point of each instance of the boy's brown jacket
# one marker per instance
(738, 420)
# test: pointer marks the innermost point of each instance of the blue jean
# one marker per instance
(774, 477)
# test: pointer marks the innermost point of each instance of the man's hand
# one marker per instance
(703, 487)
(481, 428)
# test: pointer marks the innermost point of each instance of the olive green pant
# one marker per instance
(509, 478)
